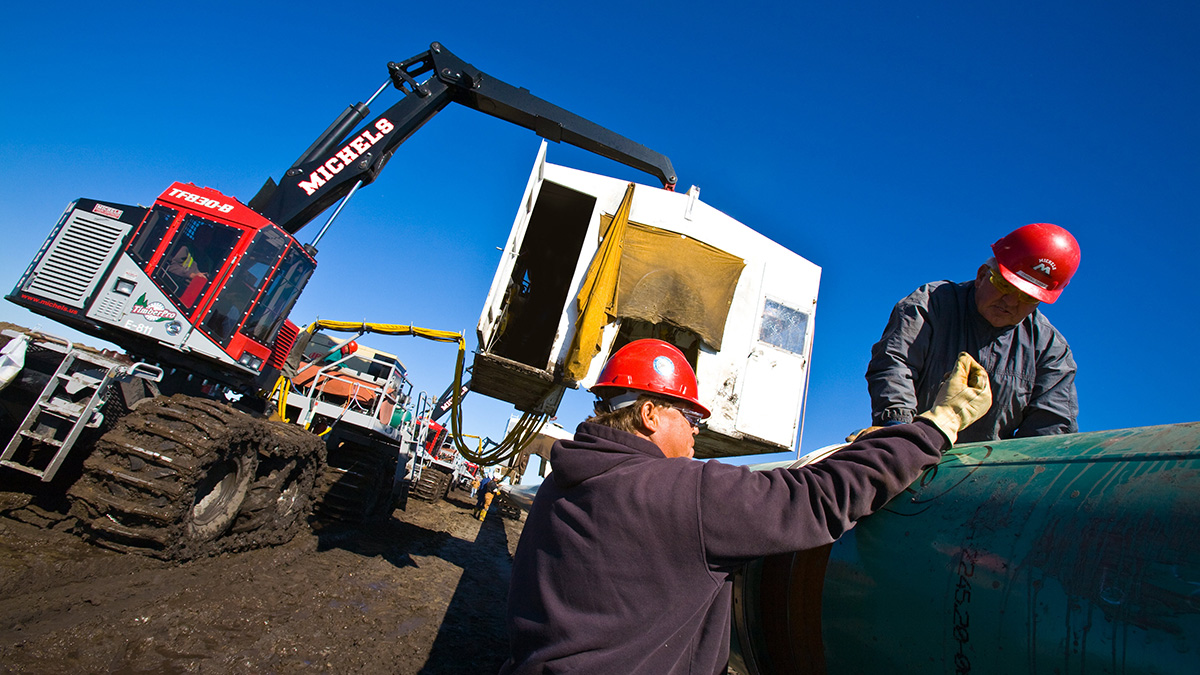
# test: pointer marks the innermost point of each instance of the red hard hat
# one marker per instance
(653, 367)
(1039, 259)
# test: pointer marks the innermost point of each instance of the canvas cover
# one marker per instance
(666, 277)
(597, 295)
(654, 275)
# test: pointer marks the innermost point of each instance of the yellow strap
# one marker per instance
(599, 290)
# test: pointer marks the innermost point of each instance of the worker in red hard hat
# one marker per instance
(626, 555)
(658, 375)
(997, 319)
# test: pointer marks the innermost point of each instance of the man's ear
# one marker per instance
(981, 276)
(648, 417)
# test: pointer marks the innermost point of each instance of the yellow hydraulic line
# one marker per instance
(516, 441)
(388, 329)
(282, 386)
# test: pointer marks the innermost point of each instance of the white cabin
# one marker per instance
(740, 306)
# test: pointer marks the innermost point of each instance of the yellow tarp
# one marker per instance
(669, 278)
(598, 293)
(649, 274)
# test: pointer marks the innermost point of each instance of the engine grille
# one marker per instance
(71, 267)
(283, 344)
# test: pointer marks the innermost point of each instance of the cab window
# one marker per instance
(282, 292)
(243, 285)
(151, 234)
(193, 259)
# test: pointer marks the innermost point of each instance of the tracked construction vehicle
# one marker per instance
(438, 465)
(196, 289)
(360, 400)
(433, 471)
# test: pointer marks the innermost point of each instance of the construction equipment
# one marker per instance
(465, 470)
(435, 464)
(593, 263)
(439, 467)
(196, 289)
(360, 400)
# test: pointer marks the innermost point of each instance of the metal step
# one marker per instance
(80, 380)
(50, 402)
(63, 408)
(48, 440)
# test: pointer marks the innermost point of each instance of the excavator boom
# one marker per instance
(340, 161)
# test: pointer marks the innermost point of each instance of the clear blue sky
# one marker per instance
(890, 143)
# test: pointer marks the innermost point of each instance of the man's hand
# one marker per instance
(965, 395)
(861, 432)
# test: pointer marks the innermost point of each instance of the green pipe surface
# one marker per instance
(1060, 554)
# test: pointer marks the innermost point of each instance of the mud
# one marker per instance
(421, 592)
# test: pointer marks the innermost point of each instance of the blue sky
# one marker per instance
(889, 143)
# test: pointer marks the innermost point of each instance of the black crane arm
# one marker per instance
(339, 161)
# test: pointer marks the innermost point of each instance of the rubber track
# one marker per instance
(356, 484)
(139, 483)
(433, 485)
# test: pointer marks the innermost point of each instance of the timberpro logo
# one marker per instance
(357, 147)
(155, 311)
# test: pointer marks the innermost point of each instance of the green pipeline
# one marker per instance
(1061, 554)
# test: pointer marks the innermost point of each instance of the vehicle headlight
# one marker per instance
(251, 361)
(124, 286)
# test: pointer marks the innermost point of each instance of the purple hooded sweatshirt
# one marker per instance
(624, 563)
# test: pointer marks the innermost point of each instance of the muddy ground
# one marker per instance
(422, 592)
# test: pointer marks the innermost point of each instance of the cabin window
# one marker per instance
(784, 327)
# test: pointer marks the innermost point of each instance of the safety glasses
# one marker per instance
(693, 418)
(1001, 284)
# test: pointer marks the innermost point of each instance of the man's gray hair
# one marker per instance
(623, 411)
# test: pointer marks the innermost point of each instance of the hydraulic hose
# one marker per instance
(514, 442)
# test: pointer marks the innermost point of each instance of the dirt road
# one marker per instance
(423, 592)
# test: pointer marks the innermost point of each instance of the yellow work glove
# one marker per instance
(965, 396)
(861, 432)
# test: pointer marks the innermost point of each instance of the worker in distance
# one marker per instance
(625, 559)
(995, 318)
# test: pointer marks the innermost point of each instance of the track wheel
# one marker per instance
(219, 495)
(168, 479)
(432, 485)
(356, 484)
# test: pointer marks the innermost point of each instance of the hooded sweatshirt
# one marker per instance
(625, 559)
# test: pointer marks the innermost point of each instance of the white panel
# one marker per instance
(773, 382)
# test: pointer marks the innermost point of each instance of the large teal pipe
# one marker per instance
(1061, 554)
